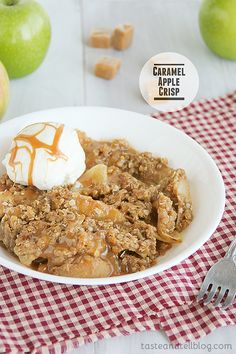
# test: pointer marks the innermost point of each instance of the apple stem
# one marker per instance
(11, 2)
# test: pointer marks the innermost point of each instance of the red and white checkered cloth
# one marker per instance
(43, 317)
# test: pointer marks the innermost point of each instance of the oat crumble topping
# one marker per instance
(127, 209)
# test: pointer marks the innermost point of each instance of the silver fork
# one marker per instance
(220, 281)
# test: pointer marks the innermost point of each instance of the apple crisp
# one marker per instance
(125, 211)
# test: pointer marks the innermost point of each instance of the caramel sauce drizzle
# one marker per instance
(35, 144)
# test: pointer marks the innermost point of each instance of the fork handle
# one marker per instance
(231, 252)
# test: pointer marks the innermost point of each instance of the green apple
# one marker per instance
(217, 20)
(4, 90)
(25, 34)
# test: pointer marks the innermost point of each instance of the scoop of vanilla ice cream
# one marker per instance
(45, 155)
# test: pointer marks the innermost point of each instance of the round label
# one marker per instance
(169, 82)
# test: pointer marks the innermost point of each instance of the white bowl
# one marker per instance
(145, 134)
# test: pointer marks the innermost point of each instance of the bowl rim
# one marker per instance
(156, 269)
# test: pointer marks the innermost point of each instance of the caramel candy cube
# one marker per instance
(100, 38)
(107, 67)
(122, 36)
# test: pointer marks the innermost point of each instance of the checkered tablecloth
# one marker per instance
(43, 317)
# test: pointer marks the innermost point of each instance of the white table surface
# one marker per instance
(66, 79)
